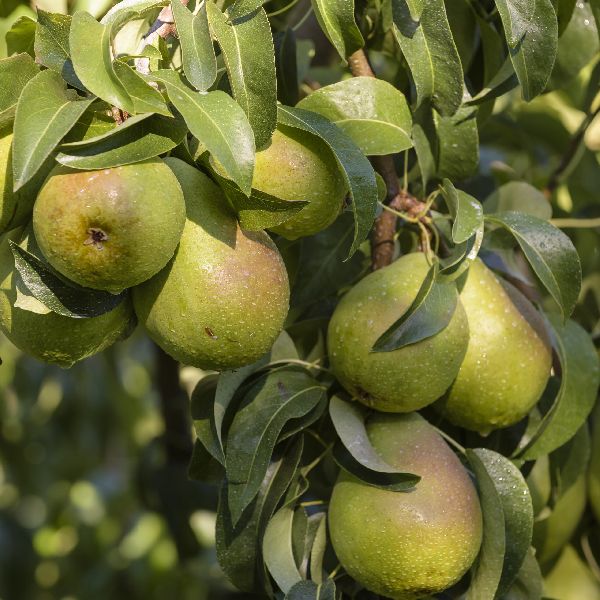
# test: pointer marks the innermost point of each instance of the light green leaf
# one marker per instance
(336, 18)
(241, 8)
(15, 72)
(142, 7)
(21, 36)
(466, 211)
(247, 46)
(46, 111)
(144, 97)
(373, 113)
(519, 196)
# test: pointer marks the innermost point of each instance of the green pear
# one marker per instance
(222, 301)
(15, 207)
(405, 379)
(407, 545)
(110, 229)
(300, 166)
(508, 359)
(48, 336)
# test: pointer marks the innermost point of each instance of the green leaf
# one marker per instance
(242, 8)
(577, 394)
(595, 5)
(336, 18)
(357, 170)
(218, 122)
(550, 253)
(142, 7)
(373, 113)
(239, 548)
(466, 211)
(268, 405)
(247, 46)
(57, 294)
(52, 45)
(431, 54)
(502, 82)
(310, 590)
(129, 143)
(46, 111)
(286, 64)
(519, 196)
(517, 509)
(529, 583)
(278, 552)
(318, 549)
(430, 312)
(15, 72)
(487, 570)
(21, 36)
(531, 30)
(198, 53)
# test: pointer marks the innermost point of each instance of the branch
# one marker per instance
(384, 229)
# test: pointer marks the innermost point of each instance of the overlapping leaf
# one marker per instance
(15, 72)
(336, 18)
(466, 211)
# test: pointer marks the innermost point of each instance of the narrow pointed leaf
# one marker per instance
(145, 98)
(336, 18)
(15, 72)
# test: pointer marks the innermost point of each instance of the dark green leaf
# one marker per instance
(373, 113)
(531, 30)
(579, 385)
(268, 405)
(54, 292)
(430, 312)
(595, 4)
(431, 54)
(219, 123)
(198, 54)
(310, 590)
(503, 81)
(286, 63)
(466, 211)
(564, 12)
(146, 138)
(247, 46)
(336, 18)
(21, 36)
(521, 197)
(487, 570)
(15, 72)
(52, 45)
(357, 170)
(529, 583)
(550, 253)
(46, 111)
(569, 462)
(517, 509)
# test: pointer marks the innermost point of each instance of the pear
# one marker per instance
(300, 166)
(407, 545)
(222, 301)
(15, 207)
(50, 337)
(110, 229)
(508, 359)
(405, 379)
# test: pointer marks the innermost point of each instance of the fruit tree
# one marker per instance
(358, 240)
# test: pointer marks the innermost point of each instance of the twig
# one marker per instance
(576, 223)
(384, 229)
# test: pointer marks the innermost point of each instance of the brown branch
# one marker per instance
(384, 228)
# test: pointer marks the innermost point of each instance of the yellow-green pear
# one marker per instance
(300, 166)
(508, 359)
(48, 336)
(110, 229)
(407, 545)
(15, 207)
(402, 380)
(221, 302)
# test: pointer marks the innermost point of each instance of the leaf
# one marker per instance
(52, 45)
(54, 292)
(577, 394)
(249, 54)
(142, 7)
(310, 590)
(278, 552)
(198, 54)
(242, 8)
(517, 508)
(272, 401)
(429, 313)
(20, 37)
(357, 170)
(503, 81)
(373, 113)
(218, 122)
(286, 64)
(143, 139)
(550, 253)
(466, 211)
(431, 54)
(519, 196)
(239, 548)
(531, 30)
(487, 571)
(15, 72)
(529, 583)
(336, 18)
(317, 550)
(46, 111)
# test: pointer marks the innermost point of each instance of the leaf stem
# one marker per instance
(280, 11)
(303, 19)
(576, 223)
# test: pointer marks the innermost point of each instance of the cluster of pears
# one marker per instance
(161, 233)
(485, 370)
